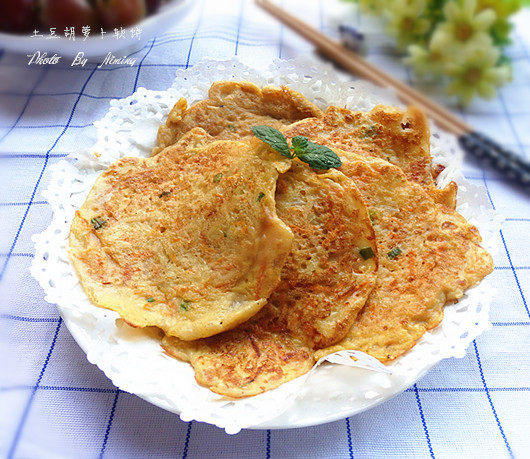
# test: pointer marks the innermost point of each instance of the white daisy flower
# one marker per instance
(476, 72)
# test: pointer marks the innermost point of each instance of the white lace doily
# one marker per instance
(136, 363)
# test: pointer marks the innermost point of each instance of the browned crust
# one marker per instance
(401, 137)
(232, 108)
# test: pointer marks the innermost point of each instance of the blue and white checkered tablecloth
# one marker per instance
(53, 403)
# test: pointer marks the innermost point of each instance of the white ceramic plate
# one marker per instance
(95, 46)
(135, 362)
(313, 406)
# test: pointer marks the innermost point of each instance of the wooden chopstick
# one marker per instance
(514, 167)
(361, 67)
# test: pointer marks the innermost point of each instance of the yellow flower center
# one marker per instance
(464, 31)
(407, 24)
(474, 75)
(436, 56)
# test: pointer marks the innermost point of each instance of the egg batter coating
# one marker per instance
(398, 136)
(428, 255)
(232, 108)
(188, 241)
(325, 283)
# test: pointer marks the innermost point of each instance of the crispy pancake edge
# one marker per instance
(453, 261)
(85, 248)
(232, 108)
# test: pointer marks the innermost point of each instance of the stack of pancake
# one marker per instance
(253, 264)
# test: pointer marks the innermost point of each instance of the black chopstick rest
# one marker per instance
(504, 161)
(352, 38)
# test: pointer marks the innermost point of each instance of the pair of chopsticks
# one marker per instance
(476, 144)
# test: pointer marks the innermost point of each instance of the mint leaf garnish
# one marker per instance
(274, 138)
(319, 156)
(299, 144)
(315, 155)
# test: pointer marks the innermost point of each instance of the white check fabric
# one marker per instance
(54, 403)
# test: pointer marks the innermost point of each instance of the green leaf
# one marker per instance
(316, 156)
(274, 138)
(185, 305)
(319, 157)
(394, 253)
(260, 196)
(217, 177)
(150, 300)
(370, 131)
(98, 222)
(366, 253)
(299, 144)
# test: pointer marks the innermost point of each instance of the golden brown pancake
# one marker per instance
(257, 356)
(325, 282)
(231, 110)
(428, 255)
(398, 136)
(188, 241)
